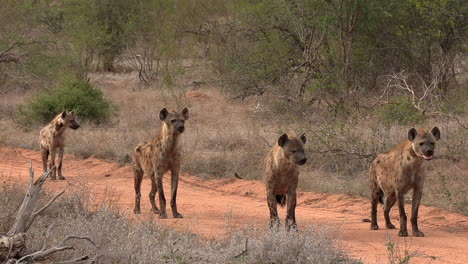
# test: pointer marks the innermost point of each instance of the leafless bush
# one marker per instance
(425, 97)
(398, 255)
(143, 60)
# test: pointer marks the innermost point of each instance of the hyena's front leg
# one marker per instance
(52, 165)
(417, 194)
(59, 169)
(272, 206)
(174, 185)
(291, 210)
(401, 208)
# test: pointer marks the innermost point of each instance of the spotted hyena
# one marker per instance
(281, 175)
(394, 173)
(156, 157)
(52, 137)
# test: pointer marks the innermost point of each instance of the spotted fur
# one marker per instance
(281, 175)
(52, 137)
(394, 173)
(156, 157)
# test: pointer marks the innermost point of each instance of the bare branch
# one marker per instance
(36, 213)
(343, 152)
(243, 251)
(31, 176)
(48, 233)
(44, 252)
(266, 142)
(9, 55)
(22, 222)
(237, 176)
(76, 237)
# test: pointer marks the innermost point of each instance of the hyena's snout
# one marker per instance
(428, 154)
(179, 127)
(75, 126)
(300, 159)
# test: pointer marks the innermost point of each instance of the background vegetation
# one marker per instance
(354, 75)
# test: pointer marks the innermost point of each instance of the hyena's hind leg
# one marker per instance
(52, 165)
(45, 157)
(389, 203)
(377, 196)
(138, 177)
(59, 168)
(152, 195)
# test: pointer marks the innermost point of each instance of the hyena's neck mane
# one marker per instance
(281, 161)
(57, 126)
(167, 138)
(408, 155)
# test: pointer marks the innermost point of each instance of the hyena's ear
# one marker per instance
(64, 114)
(436, 133)
(282, 140)
(412, 133)
(163, 114)
(185, 113)
(72, 112)
(303, 138)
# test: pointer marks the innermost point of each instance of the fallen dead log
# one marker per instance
(13, 243)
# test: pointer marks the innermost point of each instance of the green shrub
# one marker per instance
(86, 100)
(402, 112)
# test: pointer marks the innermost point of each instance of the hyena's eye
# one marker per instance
(421, 143)
(432, 143)
(173, 120)
(294, 151)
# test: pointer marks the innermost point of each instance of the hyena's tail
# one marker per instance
(281, 199)
(381, 200)
(375, 187)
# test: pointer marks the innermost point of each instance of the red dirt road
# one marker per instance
(208, 206)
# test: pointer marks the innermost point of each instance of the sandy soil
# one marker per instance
(209, 205)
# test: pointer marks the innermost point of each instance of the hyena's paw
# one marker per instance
(162, 215)
(403, 233)
(177, 215)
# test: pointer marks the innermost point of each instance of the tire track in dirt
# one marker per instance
(211, 206)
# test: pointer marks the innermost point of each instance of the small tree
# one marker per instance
(86, 100)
